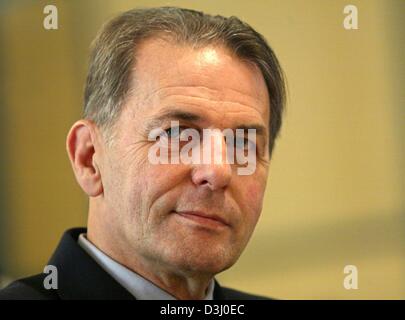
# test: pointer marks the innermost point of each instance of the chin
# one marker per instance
(203, 262)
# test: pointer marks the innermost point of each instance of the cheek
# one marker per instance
(253, 198)
(161, 185)
(124, 182)
(253, 191)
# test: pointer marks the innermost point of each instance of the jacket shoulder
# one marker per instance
(31, 288)
(232, 294)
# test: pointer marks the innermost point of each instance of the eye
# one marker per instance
(244, 143)
(174, 132)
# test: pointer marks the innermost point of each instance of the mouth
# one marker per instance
(203, 219)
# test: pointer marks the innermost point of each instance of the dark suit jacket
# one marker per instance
(81, 278)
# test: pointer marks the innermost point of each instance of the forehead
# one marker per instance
(211, 79)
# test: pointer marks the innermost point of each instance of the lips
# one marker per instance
(203, 218)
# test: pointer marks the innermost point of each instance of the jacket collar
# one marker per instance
(79, 276)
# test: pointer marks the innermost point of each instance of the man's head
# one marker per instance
(149, 67)
(114, 54)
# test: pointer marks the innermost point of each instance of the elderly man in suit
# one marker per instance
(164, 230)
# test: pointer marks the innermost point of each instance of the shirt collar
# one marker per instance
(139, 287)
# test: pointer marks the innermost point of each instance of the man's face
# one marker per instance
(188, 218)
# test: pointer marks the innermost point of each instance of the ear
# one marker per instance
(82, 146)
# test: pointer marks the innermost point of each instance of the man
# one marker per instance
(164, 230)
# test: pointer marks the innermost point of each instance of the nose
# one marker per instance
(215, 172)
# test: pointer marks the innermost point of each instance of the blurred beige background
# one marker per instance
(336, 189)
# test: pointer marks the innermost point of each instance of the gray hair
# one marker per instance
(112, 56)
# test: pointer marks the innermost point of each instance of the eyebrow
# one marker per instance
(171, 115)
(178, 115)
(192, 117)
(260, 129)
